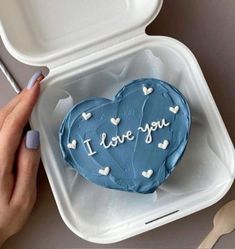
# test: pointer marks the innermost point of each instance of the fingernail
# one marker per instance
(33, 79)
(32, 140)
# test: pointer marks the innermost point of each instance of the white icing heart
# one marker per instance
(163, 145)
(115, 121)
(174, 109)
(148, 173)
(86, 116)
(105, 171)
(147, 91)
(72, 145)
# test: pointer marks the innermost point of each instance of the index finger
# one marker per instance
(14, 123)
(7, 109)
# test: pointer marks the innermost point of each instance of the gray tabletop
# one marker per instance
(207, 28)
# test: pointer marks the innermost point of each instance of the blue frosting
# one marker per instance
(134, 164)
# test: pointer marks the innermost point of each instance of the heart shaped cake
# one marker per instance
(131, 143)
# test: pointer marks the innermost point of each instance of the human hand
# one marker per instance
(19, 160)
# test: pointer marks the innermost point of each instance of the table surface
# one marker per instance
(207, 28)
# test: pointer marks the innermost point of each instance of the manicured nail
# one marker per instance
(33, 79)
(32, 140)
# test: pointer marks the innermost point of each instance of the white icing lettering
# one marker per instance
(116, 140)
(90, 151)
(153, 127)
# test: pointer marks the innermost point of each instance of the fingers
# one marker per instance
(15, 210)
(6, 187)
(27, 167)
(5, 111)
(14, 123)
(19, 116)
(19, 159)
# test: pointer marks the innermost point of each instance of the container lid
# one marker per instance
(41, 32)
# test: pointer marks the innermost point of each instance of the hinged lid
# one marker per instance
(42, 32)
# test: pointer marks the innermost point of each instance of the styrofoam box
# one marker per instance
(79, 38)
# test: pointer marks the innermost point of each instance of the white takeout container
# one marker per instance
(76, 39)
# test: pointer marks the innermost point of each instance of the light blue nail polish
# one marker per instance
(32, 140)
(33, 79)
